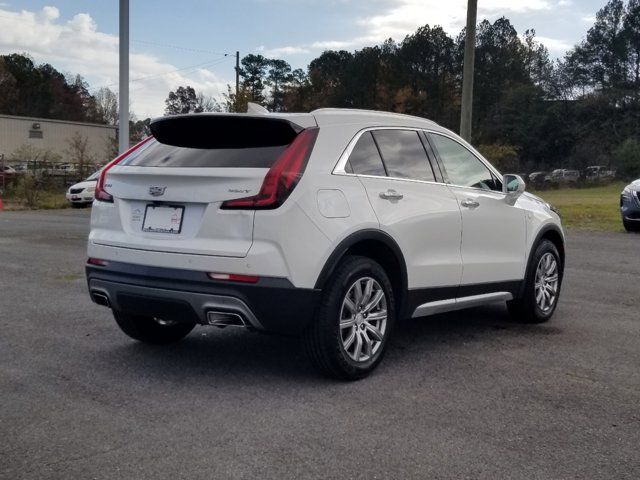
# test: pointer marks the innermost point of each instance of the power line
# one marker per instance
(208, 63)
(177, 47)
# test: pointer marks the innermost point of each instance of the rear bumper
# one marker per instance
(271, 305)
(79, 198)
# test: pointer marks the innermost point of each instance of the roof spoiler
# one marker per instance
(229, 130)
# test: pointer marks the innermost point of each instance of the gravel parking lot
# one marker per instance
(465, 395)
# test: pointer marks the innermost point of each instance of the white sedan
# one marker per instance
(82, 194)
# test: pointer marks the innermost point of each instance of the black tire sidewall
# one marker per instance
(543, 248)
(346, 274)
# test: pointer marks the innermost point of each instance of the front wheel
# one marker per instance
(629, 226)
(354, 320)
(151, 330)
(542, 286)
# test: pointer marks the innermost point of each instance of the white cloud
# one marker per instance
(333, 44)
(405, 16)
(554, 45)
(78, 46)
(284, 51)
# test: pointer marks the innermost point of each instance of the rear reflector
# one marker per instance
(97, 261)
(282, 177)
(233, 277)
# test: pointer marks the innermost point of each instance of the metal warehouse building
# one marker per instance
(54, 135)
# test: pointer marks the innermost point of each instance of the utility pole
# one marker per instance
(123, 95)
(237, 78)
(467, 71)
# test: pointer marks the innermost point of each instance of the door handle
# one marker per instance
(391, 195)
(469, 203)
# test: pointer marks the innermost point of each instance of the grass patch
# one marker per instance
(595, 208)
(30, 193)
(45, 200)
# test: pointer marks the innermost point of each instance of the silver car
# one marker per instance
(630, 206)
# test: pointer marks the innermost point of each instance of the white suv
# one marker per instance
(330, 225)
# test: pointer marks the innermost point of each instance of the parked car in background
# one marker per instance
(331, 225)
(21, 168)
(562, 176)
(598, 172)
(7, 172)
(630, 206)
(536, 179)
(82, 194)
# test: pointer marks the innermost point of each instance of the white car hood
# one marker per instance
(91, 183)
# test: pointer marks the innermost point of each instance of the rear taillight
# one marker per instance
(282, 177)
(100, 193)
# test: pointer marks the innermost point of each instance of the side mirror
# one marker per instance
(512, 186)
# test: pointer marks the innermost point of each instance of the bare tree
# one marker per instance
(208, 103)
(107, 105)
(78, 151)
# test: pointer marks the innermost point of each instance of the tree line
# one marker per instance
(529, 112)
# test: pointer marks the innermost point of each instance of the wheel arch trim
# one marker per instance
(359, 237)
(544, 230)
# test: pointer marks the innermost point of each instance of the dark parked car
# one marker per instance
(630, 206)
(536, 179)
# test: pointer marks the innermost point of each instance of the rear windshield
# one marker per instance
(156, 154)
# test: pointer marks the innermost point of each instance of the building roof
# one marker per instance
(50, 120)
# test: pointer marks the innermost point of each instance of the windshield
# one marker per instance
(93, 176)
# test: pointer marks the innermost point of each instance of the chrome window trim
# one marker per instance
(339, 168)
(473, 152)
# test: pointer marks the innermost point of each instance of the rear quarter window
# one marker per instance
(365, 158)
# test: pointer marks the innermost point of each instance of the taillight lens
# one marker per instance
(100, 193)
(282, 177)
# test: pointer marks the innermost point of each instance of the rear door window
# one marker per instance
(404, 155)
(157, 154)
(365, 158)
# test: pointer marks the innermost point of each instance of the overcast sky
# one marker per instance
(179, 43)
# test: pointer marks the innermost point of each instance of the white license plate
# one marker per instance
(163, 219)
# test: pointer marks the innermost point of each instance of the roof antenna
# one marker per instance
(256, 109)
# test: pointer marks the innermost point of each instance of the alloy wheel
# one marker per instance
(363, 319)
(547, 282)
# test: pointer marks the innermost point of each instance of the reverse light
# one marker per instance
(100, 193)
(282, 177)
(234, 277)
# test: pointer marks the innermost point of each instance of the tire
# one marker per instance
(149, 330)
(340, 326)
(533, 307)
(630, 227)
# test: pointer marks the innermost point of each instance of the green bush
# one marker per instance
(627, 158)
(503, 157)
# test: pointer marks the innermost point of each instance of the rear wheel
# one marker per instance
(354, 320)
(151, 330)
(542, 286)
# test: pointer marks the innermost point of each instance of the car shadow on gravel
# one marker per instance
(237, 355)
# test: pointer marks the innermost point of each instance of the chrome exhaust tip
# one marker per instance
(225, 319)
(100, 298)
